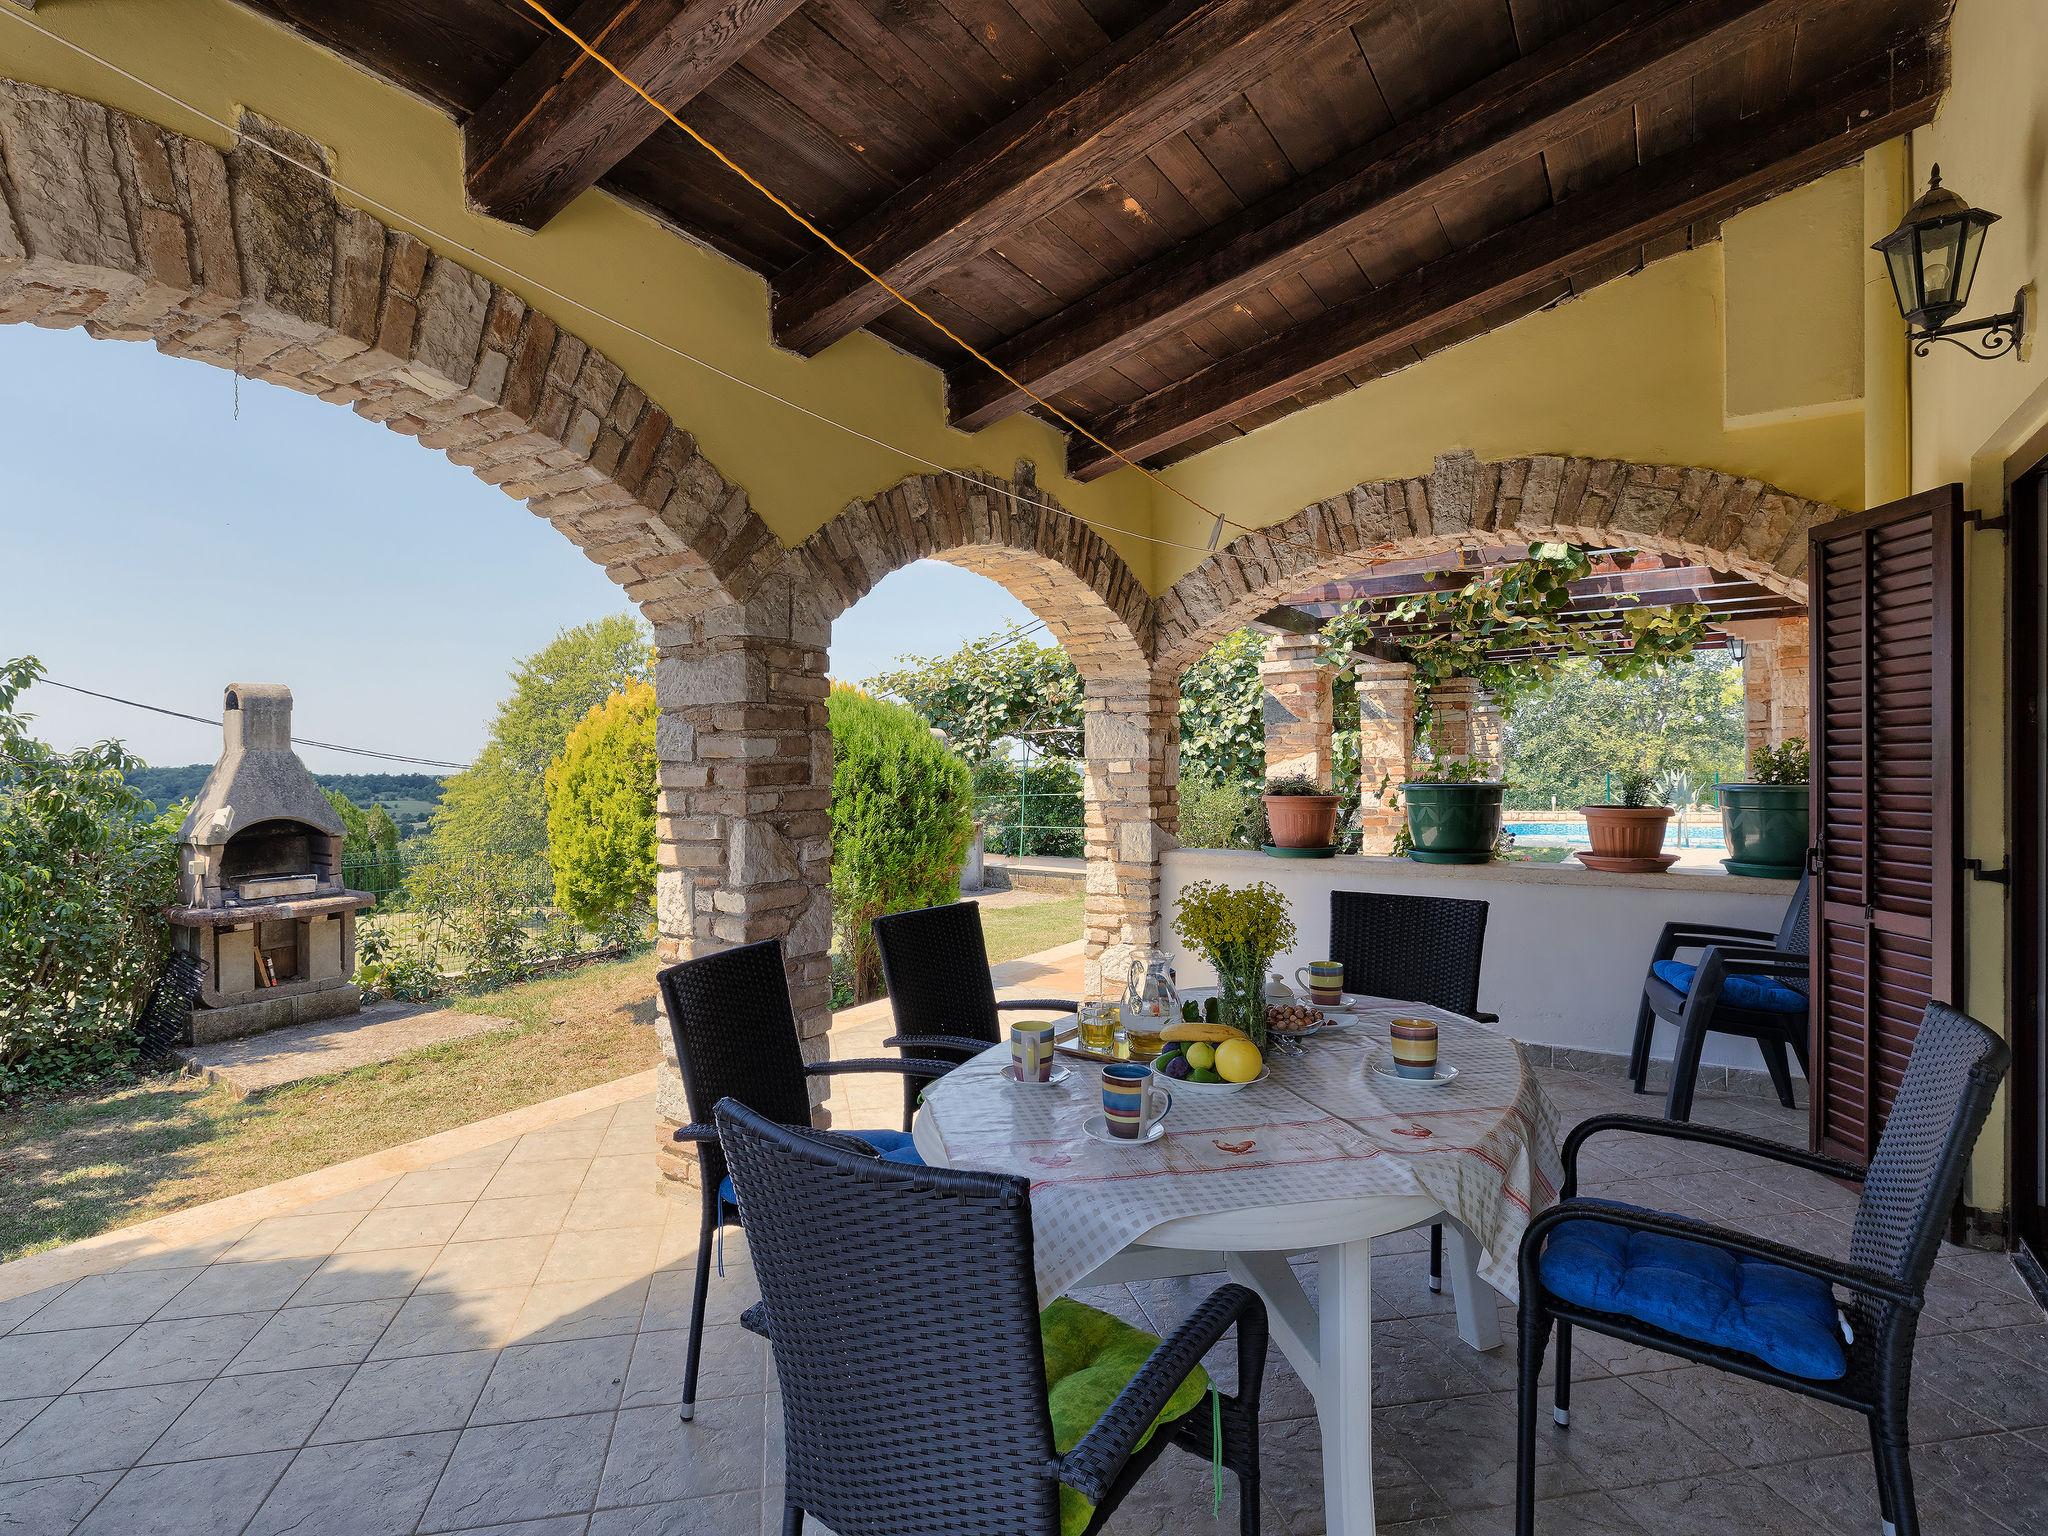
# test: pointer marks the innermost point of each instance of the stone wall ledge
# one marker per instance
(1239, 864)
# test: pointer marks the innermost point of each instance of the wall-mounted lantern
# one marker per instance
(1932, 258)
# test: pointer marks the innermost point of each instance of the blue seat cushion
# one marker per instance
(1765, 994)
(890, 1146)
(1699, 1292)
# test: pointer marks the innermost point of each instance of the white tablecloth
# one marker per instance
(1322, 1126)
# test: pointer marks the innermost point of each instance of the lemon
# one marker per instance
(1201, 1055)
(1237, 1061)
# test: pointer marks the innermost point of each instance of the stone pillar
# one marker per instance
(1299, 718)
(1466, 724)
(744, 822)
(1130, 791)
(1774, 678)
(1386, 748)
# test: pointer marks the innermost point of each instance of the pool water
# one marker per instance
(1700, 832)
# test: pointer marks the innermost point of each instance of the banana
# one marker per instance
(1187, 1030)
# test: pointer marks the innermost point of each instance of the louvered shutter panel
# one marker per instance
(1885, 595)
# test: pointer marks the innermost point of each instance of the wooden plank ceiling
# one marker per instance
(1175, 221)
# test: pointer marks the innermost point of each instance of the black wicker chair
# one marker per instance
(735, 1038)
(935, 965)
(1778, 964)
(901, 1309)
(1421, 949)
(1908, 1191)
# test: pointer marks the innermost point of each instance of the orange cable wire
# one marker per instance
(868, 272)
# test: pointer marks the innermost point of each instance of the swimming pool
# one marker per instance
(1700, 832)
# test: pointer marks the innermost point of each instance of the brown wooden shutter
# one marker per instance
(1885, 592)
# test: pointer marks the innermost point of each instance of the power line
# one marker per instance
(300, 741)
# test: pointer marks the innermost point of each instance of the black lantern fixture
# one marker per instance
(1932, 258)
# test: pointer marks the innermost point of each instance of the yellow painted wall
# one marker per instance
(1792, 340)
(1634, 370)
(220, 58)
(1968, 417)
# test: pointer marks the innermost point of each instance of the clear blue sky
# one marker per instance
(154, 546)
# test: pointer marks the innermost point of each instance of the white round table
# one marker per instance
(1330, 1346)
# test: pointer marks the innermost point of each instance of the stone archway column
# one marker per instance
(1130, 793)
(1299, 716)
(744, 823)
(1775, 659)
(1386, 747)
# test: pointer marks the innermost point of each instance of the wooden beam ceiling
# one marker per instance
(1164, 75)
(563, 120)
(1826, 128)
(1535, 104)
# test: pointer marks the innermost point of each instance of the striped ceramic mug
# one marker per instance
(1133, 1099)
(1413, 1042)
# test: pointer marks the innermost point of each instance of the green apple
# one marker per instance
(1201, 1056)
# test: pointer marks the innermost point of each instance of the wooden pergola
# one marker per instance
(1172, 222)
(1621, 579)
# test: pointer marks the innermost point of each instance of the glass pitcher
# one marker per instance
(1151, 1002)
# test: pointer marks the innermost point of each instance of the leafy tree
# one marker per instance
(984, 694)
(902, 817)
(1564, 738)
(86, 867)
(496, 809)
(1222, 721)
(600, 795)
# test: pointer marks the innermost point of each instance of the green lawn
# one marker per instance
(83, 1164)
(1013, 932)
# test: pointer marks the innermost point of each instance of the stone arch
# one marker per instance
(131, 232)
(1071, 577)
(1007, 530)
(1728, 521)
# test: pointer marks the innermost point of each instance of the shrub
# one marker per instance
(601, 811)
(902, 817)
(1788, 763)
(1216, 815)
(86, 867)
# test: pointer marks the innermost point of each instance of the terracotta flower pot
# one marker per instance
(1302, 821)
(1627, 838)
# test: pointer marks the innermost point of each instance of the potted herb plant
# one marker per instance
(1238, 930)
(1766, 818)
(1628, 836)
(1301, 816)
(1454, 811)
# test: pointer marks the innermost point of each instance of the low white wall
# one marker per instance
(1566, 947)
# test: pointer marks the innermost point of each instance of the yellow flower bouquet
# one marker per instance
(1239, 931)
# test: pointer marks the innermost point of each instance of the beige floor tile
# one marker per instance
(405, 1226)
(294, 1237)
(588, 1255)
(560, 1176)
(520, 1216)
(489, 1265)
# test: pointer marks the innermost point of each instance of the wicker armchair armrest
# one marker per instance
(1677, 936)
(1751, 962)
(1707, 1135)
(902, 1066)
(966, 1045)
(1092, 1466)
(1054, 1004)
(1853, 1277)
(695, 1133)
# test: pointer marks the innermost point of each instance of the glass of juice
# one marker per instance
(1098, 1028)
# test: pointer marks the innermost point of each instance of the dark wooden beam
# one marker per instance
(1635, 50)
(1164, 75)
(1294, 621)
(563, 120)
(1828, 128)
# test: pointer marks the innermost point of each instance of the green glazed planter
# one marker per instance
(1766, 826)
(1453, 823)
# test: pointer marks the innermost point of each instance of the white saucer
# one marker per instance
(1445, 1073)
(1059, 1075)
(1097, 1127)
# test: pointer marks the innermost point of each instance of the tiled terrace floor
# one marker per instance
(495, 1343)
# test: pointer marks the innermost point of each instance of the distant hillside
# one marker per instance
(409, 798)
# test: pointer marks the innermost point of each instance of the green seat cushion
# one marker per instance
(1090, 1357)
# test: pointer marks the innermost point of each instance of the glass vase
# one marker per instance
(1241, 999)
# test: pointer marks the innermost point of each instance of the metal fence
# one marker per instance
(1030, 804)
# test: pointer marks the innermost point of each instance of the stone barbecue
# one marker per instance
(261, 898)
